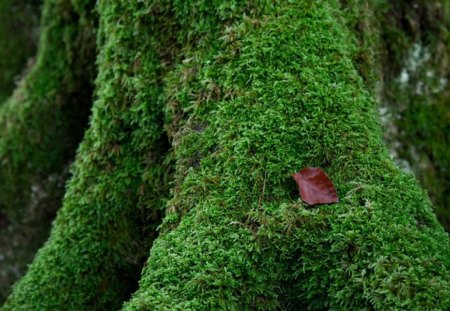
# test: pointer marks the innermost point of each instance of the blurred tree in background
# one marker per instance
(18, 39)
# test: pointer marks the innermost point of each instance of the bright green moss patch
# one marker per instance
(247, 94)
(278, 91)
(113, 201)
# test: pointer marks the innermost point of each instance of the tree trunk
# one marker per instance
(18, 39)
(41, 125)
(232, 98)
(416, 92)
(113, 201)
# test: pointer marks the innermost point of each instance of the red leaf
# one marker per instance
(315, 187)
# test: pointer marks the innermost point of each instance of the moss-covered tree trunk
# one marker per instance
(18, 38)
(416, 93)
(41, 125)
(205, 109)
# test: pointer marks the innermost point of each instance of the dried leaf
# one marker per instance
(315, 187)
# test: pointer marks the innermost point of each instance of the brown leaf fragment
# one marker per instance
(315, 187)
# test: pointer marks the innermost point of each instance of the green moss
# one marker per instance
(424, 130)
(252, 92)
(278, 92)
(18, 29)
(41, 125)
(415, 55)
(113, 201)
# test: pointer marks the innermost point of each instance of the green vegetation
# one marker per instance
(18, 29)
(205, 109)
(113, 200)
(235, 235)
(41, 125)
(416, 92)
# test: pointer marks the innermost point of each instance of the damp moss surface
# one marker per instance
(113, 200)
(275, 93)
(234, 97)
(44, 120)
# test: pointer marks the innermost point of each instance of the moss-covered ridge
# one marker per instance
(41, 125)
(112, 203)
(253, 92)
(44, 120)
(114, 199)
(275, 93)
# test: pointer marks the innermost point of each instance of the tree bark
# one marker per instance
(249, 93)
